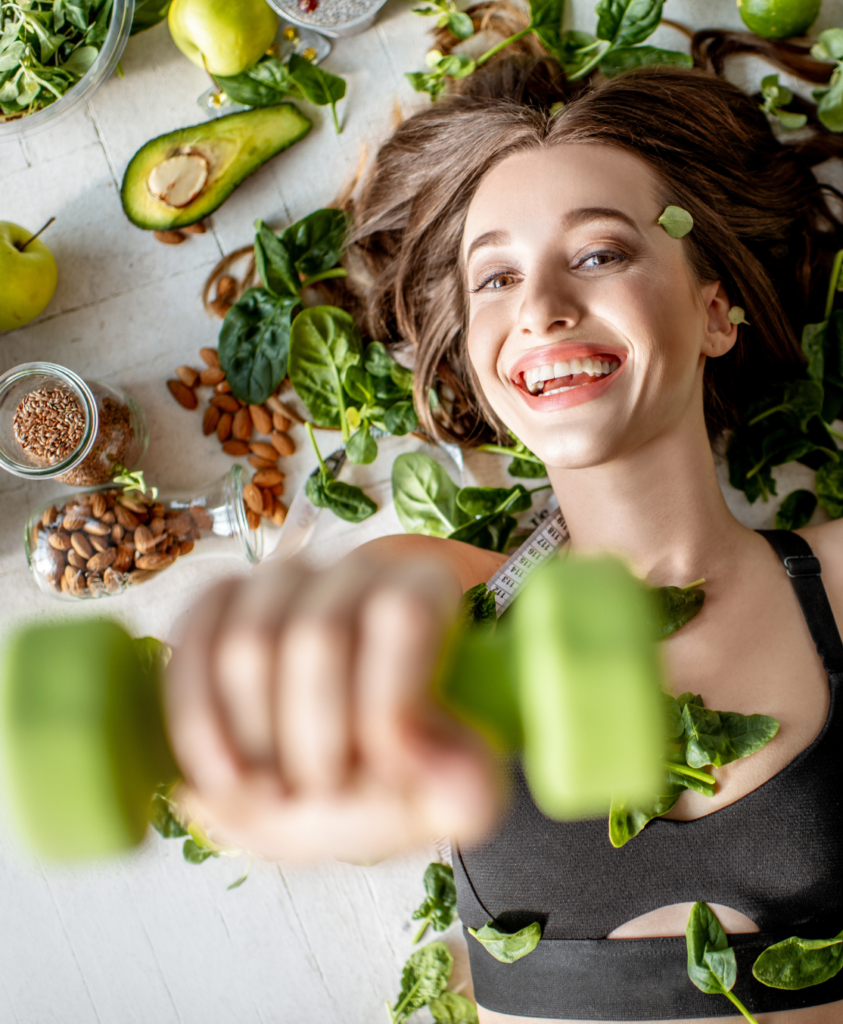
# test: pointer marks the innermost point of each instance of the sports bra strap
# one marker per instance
(804, 570)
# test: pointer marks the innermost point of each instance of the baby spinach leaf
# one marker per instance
(324, 491)
(712, 966)
(798, 400)
(674, 606)
(481, 501)
(829, 46)
(401, 418)
(720, 737)
(799, 963)
(317, 242)
(829, 482)
(452, 1008)
(317, 85)
(524, 462)
(505, 947)
(425, 496)
(324, 342)
(148, 13)
(625, 58)
(439, 908)
(377, 360)
(274, 262)
(262, 85)
(163, 820)
(424, 979)
(193, 853)
(796, 510)
(627, 22)
(830, 102)
(546, 21)
(358, 385)
(676, 221)
(254, 343)
(478, 607)
(627, 820)
(776, 97)
(362, 448)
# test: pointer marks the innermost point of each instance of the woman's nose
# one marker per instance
(548, 305)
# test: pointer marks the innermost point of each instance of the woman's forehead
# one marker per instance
(557, 184)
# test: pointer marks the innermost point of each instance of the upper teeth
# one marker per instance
(550, 371)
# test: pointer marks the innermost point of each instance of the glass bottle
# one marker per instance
(54, 425)
(100, 542)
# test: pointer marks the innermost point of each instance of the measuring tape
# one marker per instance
(550, 534)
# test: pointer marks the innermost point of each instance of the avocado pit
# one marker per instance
(178, 180)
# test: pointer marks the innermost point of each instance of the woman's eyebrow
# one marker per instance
(576, 218)
(487, 238)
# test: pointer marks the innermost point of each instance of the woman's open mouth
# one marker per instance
(567, 374)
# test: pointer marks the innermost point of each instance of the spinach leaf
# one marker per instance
(674, 606)
(162, 819)
(627, 22)
(796, 510)
(799, 963)
(254, 343)
(401, 418)
(776, 97)
(324, 491)
(377, 360)
(317, 242)
(524, 462)
(720, 737)
(481, 501)
(546, 21)
(625, 58)
(425, 496)
(451, 1008)
(504, 947)
(830, 102)
(676, 221)
(274, 263)
(324, 342)
(262, 85)
(362, 448)
(439, 908)
(829, 481)
(478, 607)
(193, 853)
(424, 978)
(318, 86)
(148, 13)
(712, 966)
(627, 820)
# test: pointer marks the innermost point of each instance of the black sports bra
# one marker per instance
(775, 854)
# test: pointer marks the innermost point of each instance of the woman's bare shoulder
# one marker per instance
(826, 542)
(471, 565)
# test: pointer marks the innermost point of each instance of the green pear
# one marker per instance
(28, 276)
(223, 36)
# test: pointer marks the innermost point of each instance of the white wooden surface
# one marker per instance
(148, 937)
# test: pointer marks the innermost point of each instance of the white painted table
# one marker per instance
(149, 938)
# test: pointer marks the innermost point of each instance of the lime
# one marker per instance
(779, 19)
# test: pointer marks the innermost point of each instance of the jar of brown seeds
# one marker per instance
(55, 425)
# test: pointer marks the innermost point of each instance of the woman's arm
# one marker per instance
(299, 706)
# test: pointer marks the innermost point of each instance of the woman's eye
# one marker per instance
(601, 259)
(495, 281)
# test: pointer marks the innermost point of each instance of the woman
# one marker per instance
(504, 240)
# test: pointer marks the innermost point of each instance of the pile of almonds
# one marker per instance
(235, 425)
(100, 543)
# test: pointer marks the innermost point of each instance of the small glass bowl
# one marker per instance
(101, 542)
(107, 60)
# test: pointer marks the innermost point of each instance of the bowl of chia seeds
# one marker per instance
(333, 18)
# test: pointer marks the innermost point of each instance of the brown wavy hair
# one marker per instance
(763, 223)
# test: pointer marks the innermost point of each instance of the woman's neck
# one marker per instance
(659, 506)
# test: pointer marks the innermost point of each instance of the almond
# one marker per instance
(209, 356)
(128, 520)
(259, 463)
(226, 288)
(144, 540)
(183, 395)
(76, 560)
(179, 525)
(49, 516)
(156, 526)
(211, 375)
(282, 442)
(112, 580)
(65, 586)
(223, 388)
(253, 497)
(201, 517)
(280, 421)
(188, 376)
(102, 560)
(185, 547)
(169, 237)
(108, 518)
(276, 405)
(277, 490)
(263, 450)
(69, 573)
(73, 523)
(224, 426)
(210, 420)
(59, 540)
(95, 585)
(279, 513)
(78, 586)
(253, 519)
(261, 419)
(124, 558)
(99, 543)
(268, 502)
(241, 427)
(228, 403)
(219, 308)
(139, 575)
(195, 229)
(117, 533)
(267, 477)
(81, 544)
(133, 504)
(154, 562)
(95, 527)
(98, 505)
(235, 448)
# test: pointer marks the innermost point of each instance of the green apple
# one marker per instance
(223, 36)
(28, 276)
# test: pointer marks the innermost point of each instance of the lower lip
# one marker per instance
(576, 396)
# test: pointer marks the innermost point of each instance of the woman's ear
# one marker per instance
(721, 334)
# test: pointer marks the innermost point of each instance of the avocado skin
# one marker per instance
(235, 146)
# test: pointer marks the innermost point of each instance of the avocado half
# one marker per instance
(231, 148)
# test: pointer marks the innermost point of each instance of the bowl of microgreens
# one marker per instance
(53, 55)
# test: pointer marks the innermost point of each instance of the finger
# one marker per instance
(200, 742)
(246, 661)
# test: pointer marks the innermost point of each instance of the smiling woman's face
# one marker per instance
(587, 328)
